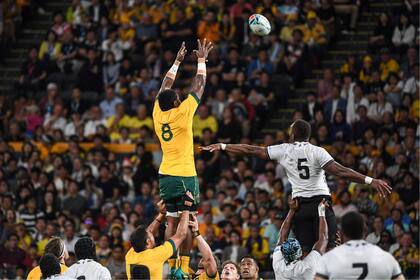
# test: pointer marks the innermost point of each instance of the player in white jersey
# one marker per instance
(305, 166)
(50, 268)
(86, 268)
(357, 258)
(287, 257)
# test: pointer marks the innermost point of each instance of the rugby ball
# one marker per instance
(259, 24)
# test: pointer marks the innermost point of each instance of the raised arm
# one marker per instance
(199, 81)
(337, 169)
(181, 231)
(154, 226)
(170, 76)
(241, 149)
(285, 227)
(322, 242)
(209, 263)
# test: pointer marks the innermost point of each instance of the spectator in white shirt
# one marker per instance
(95, 120)
(72, 125)
(70, 237)
(345, 206)
(55, 120)
(378, 226)
(404, 34)
(114, 45)
(355, 99)
(377, 109)
(413, 83)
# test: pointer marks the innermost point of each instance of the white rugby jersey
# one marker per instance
(303, 163)
(358, 259)
(301, 269)
(88, 270)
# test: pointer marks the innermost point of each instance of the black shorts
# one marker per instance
(306, 221)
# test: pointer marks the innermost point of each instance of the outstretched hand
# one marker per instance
(181, 53)
(212, 148)
(204, 49)
(161, 207)
(382, 187)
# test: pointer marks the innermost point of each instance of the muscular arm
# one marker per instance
(244, 149)
(181, 231)
(198, 85)
(285, 227)
(322, 242)
(168, 80)
(154, 226)
(209, 262)
(337, 169)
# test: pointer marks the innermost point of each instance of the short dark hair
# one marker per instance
(301, 130)
(166, 99)
(85, 249)
(352, 225)
(49, 265)
(138, 239)
(55, 246)
(250, 257)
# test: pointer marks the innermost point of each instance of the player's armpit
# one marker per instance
(398, 277)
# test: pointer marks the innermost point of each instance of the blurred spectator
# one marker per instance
(383, 33)
(204, 120)
(404, 34)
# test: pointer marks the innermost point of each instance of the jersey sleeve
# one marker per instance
(312, 259)
(278, 259)
(190, 104)
(323, 157)
(105, 274)
(164, 251)
(276, 152)
(396, 269)
(321, 268)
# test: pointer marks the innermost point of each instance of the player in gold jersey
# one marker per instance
(145, 260)
(173, 114)
(208, 265)
(56, 247)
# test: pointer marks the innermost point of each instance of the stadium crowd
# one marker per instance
(94, 78)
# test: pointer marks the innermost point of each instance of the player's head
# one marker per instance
(230, 271)
(201, 266)
(141, 239)
(300, 131)
(291, 250)
(85, 249)
(352, 225)
(57, 247)
(49, 265)
(249, 268)
(168, 99)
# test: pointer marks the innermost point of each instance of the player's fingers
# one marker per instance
(199, 43)
(195, 52)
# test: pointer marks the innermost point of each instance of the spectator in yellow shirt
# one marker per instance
(365, 74)
(314, 31)
(387, 64)
(287, 31)
(115, 123)
(257, 246)
(209, 28)
(140, 120)
(203, 120)
(208, 223)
